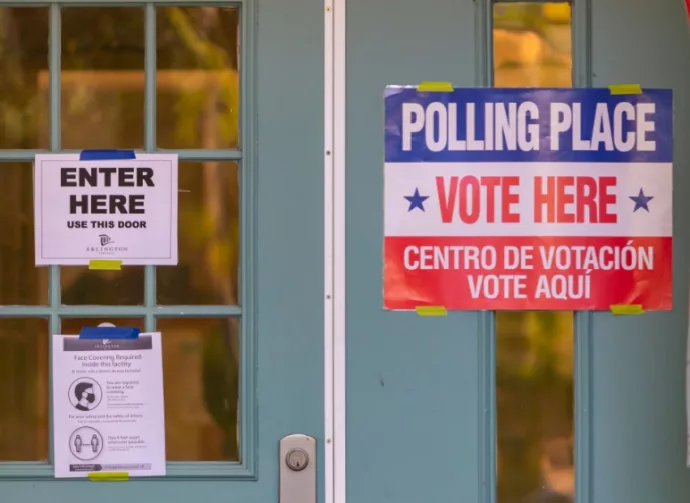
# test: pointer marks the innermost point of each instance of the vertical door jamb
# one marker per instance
(334, 250)
(486, 358)
(582, 77)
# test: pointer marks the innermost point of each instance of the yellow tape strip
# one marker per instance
(431, 310)
(626, 309)
(105, 265)
(625, 89)
(435, 87)
(109, 476)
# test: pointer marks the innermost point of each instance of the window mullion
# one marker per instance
(150, 143)
(54, 54)
(54, 79)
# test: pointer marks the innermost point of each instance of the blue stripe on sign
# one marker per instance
(528, 125)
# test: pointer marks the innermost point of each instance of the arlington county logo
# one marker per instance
(105, 239)
(106, 247)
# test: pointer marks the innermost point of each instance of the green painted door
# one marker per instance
(237, 90)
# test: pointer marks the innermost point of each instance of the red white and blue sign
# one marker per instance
(508, 199)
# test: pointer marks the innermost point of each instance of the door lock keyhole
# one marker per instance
(297, 459)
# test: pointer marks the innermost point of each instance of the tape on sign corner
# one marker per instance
(625, 89)
(627, 309)
(109, 476)
(435, 87)
(106, 155)
(105, 265)
(431, 310)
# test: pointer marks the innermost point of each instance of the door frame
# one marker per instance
(334, 251)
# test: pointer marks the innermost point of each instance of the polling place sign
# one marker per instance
(99, 209)
(527, 199)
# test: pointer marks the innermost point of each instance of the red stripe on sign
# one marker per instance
(569, 273)
(687, 7)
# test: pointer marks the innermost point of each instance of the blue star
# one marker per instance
(641, 201)
(416, 201)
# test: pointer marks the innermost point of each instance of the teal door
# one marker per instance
(237, 90)
(523, 406)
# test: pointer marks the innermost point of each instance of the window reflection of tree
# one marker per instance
(23, 52)
(534, 404)
(191, 42)
(220, 216)
(531, 48)
(534, 353)
(23, 345)
(23, 390)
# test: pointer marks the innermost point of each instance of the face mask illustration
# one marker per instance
(85, 395)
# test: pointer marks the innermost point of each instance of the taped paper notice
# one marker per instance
(105, 206)
(562, 207)
(108, 406)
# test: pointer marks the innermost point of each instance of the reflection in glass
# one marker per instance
(72, 326)
(197, 78)
(532, 45)
(534, 350)
(24, 389)
(201, 403)
(21, 282)
(81, 286)
(23, 56)
(534, 381)
(209, 249)
(102, 77)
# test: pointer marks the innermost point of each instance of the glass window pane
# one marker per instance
(201, 403)
(197, 78)
(21, 282)
(535, 415)
(209, 235)
(534, 350)
(24, 62)
(81, 286)
(72, 326)
(532, 45)
(102, 77)
(24, 389)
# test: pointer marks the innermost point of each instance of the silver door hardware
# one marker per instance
(297, 459)
(297, 469)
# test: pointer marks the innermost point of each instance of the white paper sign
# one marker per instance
(109, 210)
(108, 406)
